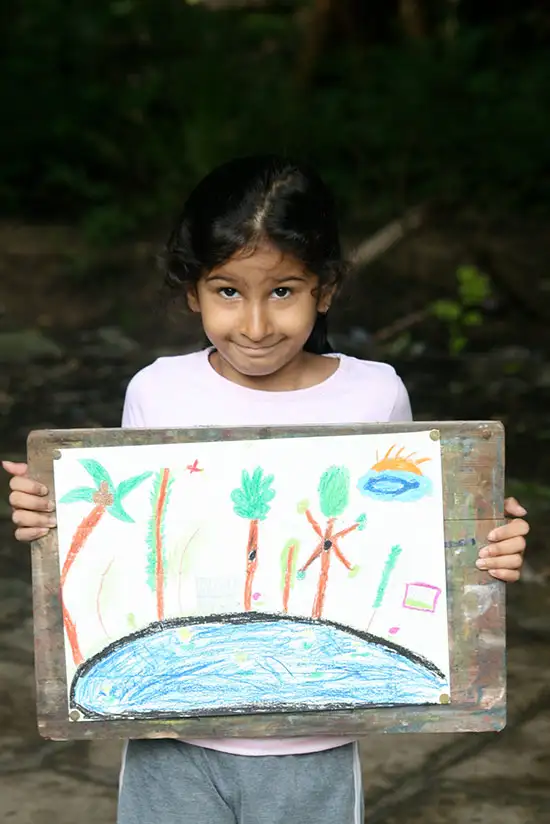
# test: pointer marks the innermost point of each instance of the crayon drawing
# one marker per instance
(251, 501)
(106, 498)
(396, 477)
(333, 501)
(253, 576)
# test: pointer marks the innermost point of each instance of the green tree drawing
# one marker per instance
(106, 498)
(251, 501)
(333, 501)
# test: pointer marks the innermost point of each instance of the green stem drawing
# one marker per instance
(389, 567)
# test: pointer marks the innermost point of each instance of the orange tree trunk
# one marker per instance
(83, 532)
(159, 544)
(319, 602)
(288, 577)
(72, 637)
(251, 563)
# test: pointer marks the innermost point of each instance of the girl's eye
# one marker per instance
(282, 292)
(228, 292)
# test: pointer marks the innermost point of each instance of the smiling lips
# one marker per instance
(257, 350)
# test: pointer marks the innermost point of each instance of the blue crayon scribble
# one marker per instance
(390, 485)
(261, 664)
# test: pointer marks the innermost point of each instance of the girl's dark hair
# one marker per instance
(255, 200)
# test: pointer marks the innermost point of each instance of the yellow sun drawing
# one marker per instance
(398, 462)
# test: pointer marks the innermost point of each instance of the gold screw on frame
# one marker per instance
(435, 435)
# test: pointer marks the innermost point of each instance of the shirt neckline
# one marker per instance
(220, 383)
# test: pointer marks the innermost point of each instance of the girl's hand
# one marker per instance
(503, 556)
(32, 510)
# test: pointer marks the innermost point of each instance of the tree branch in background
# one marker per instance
(381, 242)
(376, 246)
(402, 325)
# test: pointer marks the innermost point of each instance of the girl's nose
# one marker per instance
(256, 323)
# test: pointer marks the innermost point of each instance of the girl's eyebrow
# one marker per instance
(221, 276)
(236, 278)
(286, 278)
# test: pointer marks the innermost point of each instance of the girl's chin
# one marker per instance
(258, 364)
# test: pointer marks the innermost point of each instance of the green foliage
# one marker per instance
(473, 290)
(473, 286)
(81, 493)
(102, 478)
(117, 511)
(98, 473)
(125, 487)
(252, 499)
(122, 490)
(116, 107)
(361, 522)
(334, 491)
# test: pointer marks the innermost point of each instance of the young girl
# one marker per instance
(256, 253)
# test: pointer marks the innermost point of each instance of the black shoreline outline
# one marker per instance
(240, 618)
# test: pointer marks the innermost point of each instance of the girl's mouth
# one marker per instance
(257, 351)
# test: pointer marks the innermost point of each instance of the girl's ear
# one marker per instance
(193, 299)
(326, 295)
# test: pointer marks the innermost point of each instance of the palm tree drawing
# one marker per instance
(251, 501)
(106, 498)
(333, 500)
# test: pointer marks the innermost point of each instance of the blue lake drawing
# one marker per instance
(250, 662)
(390, 485)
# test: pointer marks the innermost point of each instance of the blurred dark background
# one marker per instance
(431, 120)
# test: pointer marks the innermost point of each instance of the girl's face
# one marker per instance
(258, 311)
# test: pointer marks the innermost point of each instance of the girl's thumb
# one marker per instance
(15, 468)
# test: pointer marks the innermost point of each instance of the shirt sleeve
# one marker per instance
(132, 413)
(401, 411)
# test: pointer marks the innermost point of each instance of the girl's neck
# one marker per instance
(304, 371)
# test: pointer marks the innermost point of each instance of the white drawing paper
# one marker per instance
(249, 576)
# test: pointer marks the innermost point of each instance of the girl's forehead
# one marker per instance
(262, 262)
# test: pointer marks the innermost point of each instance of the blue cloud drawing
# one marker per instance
(391, 485)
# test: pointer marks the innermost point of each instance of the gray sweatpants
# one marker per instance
(169, 782)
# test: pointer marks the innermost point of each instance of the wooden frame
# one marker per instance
(473, 484)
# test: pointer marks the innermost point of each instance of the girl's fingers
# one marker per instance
(513, 507)
(511, 546)
(15, 468)
(502, 562)
(509, 576)
(24, 484)
(25, 518)
(30, 533)
(515, 528)
(34, 503)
